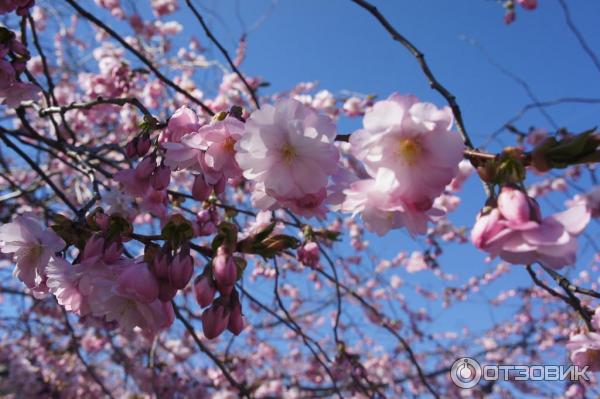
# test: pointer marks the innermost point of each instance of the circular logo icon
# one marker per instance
(465, 372)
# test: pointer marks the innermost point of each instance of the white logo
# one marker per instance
(465, 372)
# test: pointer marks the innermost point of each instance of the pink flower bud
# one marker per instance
(145, 168)
(514, 205)
(309, 254)
(224, 269)
(142, 145)
(137, 282)
(224, 289)
(161, 178)
(204, 290)
(160, 266)
(215, 320)
(93, 247)
(182, 268)
(166, 291)
(510, 17)
(201, 190)
(236, 320)
(131, 148)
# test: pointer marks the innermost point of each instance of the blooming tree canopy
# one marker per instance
(165, 236)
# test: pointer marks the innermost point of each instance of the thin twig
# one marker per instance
(139, 55)
(224, 52)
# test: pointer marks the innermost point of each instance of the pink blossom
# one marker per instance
(218, 141)
(137, 282)
(182, 122)
(161, 177)
(408, 145)
(18, 92)
(585, 350)
(550, 241)
(137, 181)
(289, 149)
(164, 7)
(63, 282)
(309, 254)
(117, 298)
(591, 199)
(33, 247)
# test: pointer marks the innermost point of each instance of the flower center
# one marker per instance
(228, 145)
(288, 153)
(409, 149)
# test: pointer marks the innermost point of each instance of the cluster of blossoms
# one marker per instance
(224, 312)
(102, 284)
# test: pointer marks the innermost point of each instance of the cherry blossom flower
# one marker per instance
(585, 350)
(33, 247)
(408, 146)
(516, 232)
(288, 149)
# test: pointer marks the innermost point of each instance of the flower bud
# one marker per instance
(201, 190)
(182, 268)
(131, 148)
(514, 205)
(204, 290)
(160, 266)
(308, 254)
(236, 320)
(224, 269)
(161, 178)
(142, 145)
(215, 320)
